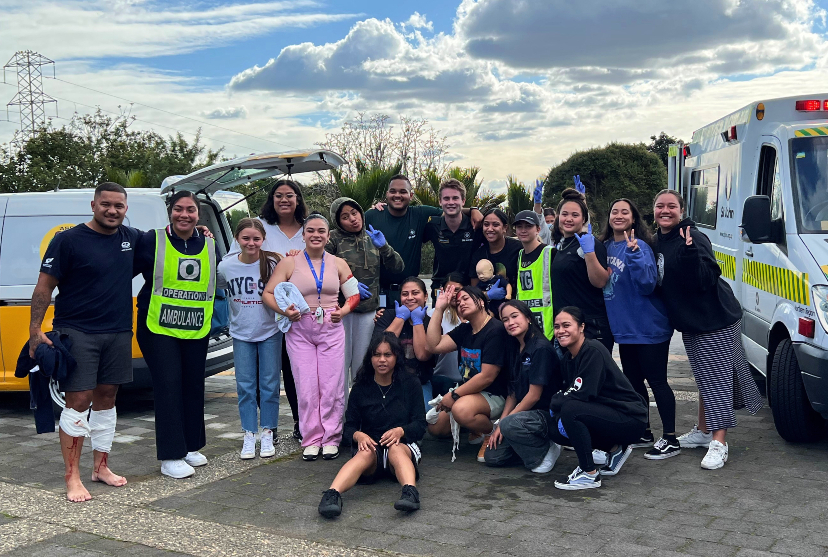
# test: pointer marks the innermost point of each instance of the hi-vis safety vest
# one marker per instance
(535, 288)
(183, 289)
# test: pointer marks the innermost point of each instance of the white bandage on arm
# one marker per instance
(102, 426)
(350, 287)
(73, 423)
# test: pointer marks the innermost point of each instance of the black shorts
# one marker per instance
(103, 359)
(383, 468)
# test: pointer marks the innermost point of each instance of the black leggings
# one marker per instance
(177, 370)
(649, 361)
(591, 425)
(290, 385)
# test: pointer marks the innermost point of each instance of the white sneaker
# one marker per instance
(249, 447)
(695, 438)
(549, 460)
(177, 468)
(195, 459)
(599, 457)
(311, 452)
(716, 456)
(267, 449)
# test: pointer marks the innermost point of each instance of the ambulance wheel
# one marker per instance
(796, 421)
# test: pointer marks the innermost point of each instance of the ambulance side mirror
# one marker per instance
(756, 219)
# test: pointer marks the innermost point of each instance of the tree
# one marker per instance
(368, 186)
(94, 147)
(617, 170)
(428, 192)
(518, 197)
(661, 144)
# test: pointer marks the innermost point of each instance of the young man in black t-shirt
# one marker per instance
(91, 265)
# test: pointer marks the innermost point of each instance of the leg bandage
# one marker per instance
(102, 424)
(73, 423)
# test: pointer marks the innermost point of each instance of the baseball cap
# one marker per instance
(528, 216)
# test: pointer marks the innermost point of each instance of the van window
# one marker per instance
(24, 242)
(769, 179)
(809, 169)
(704, 196)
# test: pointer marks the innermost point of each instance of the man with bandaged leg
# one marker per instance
(91, 266)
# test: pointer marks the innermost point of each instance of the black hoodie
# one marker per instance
(698, 300)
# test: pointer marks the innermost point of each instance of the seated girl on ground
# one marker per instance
(385, 420)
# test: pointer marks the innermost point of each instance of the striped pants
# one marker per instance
(722, 375)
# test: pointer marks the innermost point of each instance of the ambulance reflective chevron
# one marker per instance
(756, 183)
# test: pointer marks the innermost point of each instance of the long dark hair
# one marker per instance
(477, 296)
(642, 232)
(569, 195)
(527, 313)
(366, 372)
(267, 259)
(268, 211)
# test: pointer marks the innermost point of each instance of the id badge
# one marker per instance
(382, 300)
(320, 315)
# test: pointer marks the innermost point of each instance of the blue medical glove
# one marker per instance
(561, 429)
(578, 185)
(587, 240)
(364, 292)
(418, 315)
(377, 237)
(496, 292)
(538, 193)
(401, 311)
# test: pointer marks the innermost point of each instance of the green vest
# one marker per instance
(183, 288)
(535, 288)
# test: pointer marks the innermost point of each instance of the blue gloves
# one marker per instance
(364, 292)
(377, 237)
(401, 311)
(578, 185)
(496, 292)
(587, 240)
(418, 315)
(538, 193)
(561, 429)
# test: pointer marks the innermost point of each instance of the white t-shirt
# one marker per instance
(250, 319)
(275, 240)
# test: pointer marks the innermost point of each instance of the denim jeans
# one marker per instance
(268, 354)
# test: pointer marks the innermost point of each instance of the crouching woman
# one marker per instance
(385, 420)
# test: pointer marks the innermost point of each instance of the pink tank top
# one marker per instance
(304, 281)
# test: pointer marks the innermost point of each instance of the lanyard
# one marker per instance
(316, 278)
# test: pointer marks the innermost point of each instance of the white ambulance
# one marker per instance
(756, 182)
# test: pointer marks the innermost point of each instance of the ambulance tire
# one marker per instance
(795, 420)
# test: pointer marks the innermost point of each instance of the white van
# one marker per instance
(756, 183)
(29, 221)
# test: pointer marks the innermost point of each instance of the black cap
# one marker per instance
(528, 216)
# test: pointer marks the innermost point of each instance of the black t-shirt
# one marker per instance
(488, 346)
(422, 370)
(570, 281)
(405, 235)
(94, 273)
(452, 250)
(537, 364)
(505, 261)
(373, 415)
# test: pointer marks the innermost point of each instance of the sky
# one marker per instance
(517, 86)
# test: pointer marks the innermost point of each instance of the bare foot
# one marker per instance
(102, 473)
(75, 491)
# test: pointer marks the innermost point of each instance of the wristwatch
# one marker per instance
(455, 396)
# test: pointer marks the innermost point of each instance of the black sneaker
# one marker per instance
(331, 504)
(645, 441)
(615, 460)
(409, 500)
(663, 448)
(296, 434)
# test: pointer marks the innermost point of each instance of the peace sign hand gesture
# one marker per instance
(688, 239)
(632, 241)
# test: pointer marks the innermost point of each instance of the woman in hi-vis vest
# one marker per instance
(175, 308)
(534, 270)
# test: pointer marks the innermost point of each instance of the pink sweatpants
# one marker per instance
(316, 352)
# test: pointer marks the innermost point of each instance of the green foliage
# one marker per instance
(617, 170)
(518, 197)
(95, 147)
(427, 193)
(660, 145)
(368, 186)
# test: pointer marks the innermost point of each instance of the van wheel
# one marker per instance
(796, 421)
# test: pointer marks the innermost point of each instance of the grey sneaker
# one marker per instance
(549, 460)
(695, 438)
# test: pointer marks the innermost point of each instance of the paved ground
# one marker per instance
(770, 499)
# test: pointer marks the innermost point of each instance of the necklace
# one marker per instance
(385, 393)
(481, 326)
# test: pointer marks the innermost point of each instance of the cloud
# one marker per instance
(417, 21)
(225, 113)
(75, 29)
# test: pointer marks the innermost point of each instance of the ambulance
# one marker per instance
(29, 221)
(756, 183)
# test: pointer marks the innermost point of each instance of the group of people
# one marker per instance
(516, 347)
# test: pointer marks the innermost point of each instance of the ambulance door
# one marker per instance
(766, 275)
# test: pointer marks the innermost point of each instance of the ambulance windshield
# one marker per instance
(810, 167)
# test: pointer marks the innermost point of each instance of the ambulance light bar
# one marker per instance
(811, 105)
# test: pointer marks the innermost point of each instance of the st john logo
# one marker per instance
(189, 269)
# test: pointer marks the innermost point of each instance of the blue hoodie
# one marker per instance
(636, 315)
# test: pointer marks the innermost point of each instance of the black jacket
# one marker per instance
(697, 299)
(593, 376)
(373, 415)
(55, 362)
